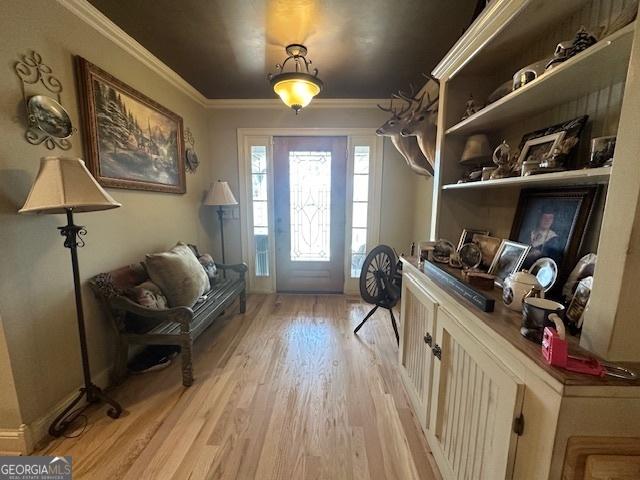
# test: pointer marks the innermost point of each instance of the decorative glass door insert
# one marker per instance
(310, 206)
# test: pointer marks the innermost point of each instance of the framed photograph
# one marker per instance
(508, 259)
(130, 140)
(488, 247)
(536, 148)
(467, 236)
(602, 150)
(572, 130)
(553, 222)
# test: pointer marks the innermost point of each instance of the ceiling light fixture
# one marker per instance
(297, 88)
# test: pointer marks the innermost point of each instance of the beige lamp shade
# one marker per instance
(65, 183)
(477, 151)
(220, 194)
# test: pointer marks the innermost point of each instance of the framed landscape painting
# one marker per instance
(130, 140)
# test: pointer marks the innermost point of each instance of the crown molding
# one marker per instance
(222, 103)
(484, 28)
(96, 19)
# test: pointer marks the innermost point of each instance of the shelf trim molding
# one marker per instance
(571, 177)
(490, 23)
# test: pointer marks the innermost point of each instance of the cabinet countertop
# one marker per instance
(506, 323)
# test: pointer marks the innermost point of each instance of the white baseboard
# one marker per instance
(15, 441)
(38, 430)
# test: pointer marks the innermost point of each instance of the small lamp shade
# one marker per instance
(477, 151)
(65, 183)
(220, 194)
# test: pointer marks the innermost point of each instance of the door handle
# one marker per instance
(428, 339)
(437, 352)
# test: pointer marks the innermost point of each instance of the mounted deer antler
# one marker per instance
(428, 76)
(408, 147)
(390, 109)
(422, 124)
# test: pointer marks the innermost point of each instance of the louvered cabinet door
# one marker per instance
(476, 400)
(418, 311)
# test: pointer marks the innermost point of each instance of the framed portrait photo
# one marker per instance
(553, 222)
(131, 141)
(508, 259)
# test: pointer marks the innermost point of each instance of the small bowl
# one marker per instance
(535, 316)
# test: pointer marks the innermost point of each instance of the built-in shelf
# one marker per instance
(586, 72)
(572, 177)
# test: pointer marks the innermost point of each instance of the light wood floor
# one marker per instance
(285, 391)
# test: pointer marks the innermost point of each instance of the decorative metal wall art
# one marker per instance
(48, 121)
(191, 157)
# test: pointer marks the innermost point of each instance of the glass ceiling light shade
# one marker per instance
(65, 183)
(296, 89)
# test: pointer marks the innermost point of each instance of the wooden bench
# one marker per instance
(139, 325)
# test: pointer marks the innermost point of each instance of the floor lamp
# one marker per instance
(220, 195)
(64, 185)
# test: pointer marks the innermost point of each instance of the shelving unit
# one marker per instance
(598, 82)
(572, 177)
(586, 72)
(472, 352)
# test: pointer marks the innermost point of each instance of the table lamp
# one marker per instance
(65, 186)
(220, 195)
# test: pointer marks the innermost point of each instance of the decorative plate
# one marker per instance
(192, 160)
(470, 256)
(546, 271)
(49, 116)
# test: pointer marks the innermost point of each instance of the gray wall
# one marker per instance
(36, 289)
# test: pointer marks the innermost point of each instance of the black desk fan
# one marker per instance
(380, 283)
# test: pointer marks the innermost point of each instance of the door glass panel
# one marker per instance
(360, 214)
(310, 206)
(361, 160)
(360, 188)
(258, 159)
(259, 184)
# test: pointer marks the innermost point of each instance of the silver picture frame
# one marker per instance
(553, 140)
(509, 258)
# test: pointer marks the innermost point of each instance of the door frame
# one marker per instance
(264, 136)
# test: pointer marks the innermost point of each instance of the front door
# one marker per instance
(309, 200)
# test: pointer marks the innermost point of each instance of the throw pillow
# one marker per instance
(149, 295)
(178, 274)
(209, 266)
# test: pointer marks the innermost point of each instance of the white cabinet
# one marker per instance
(481, 381)
(475, 400)
(464, 398)
(418, 312)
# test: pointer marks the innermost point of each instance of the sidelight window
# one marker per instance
(259, 189)
(359, 208)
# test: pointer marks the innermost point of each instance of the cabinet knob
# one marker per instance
(428, 339)
(437, 352)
